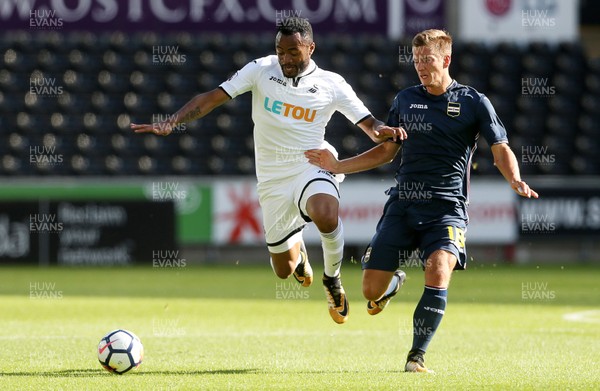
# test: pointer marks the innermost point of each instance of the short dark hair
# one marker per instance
(292, 25)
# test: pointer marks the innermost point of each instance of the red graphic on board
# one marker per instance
(244, 213)
(498, 7)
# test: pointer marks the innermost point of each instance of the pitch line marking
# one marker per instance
(590, 316)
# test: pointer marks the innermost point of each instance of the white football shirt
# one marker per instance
(290, 114)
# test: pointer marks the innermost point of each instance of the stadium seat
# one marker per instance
(569, 83)
(590, 103)
(588, 124)
(584, 165)
(565, 106)
(505, 57)
(111, 79)
(538, 59)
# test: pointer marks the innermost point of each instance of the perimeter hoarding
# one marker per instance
(520, 21)
(192, 15)
(561, 212)
(394, 18)
(237, 217)
(226, 212)
(192, 198)
(85, 233)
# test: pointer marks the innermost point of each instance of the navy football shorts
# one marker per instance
(410, 231)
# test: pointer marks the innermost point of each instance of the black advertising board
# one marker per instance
(17, 243)
(85, 233)
(560, 211)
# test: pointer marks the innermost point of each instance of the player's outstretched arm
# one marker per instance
(506, 161)
(379, 132)
(377, 156)
(197, 107)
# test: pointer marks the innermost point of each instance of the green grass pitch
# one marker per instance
(239, 327)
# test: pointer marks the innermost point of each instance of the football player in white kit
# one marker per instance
(292, 102)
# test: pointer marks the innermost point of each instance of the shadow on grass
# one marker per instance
(101, 372)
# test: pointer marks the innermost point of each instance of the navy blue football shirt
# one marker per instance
(442, 137)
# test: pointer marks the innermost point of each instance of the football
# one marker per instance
(120, 351)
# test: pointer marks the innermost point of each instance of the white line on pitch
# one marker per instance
(590, 316)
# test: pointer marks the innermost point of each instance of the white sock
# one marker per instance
(303, 247)
(297, 261)
(333, 250)
(393, 284)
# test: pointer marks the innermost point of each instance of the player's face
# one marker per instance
(429, 66)
(293, 53)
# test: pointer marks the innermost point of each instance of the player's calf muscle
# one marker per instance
(373, 292)
(375, 283)
(283, 264)
(283, 269)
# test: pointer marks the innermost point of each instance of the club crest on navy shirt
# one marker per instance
(453, 109)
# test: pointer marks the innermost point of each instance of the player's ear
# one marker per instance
(447, 61)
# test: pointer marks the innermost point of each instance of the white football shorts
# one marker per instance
(283, 205)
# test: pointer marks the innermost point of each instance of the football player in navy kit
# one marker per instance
(428, 207)
(292, 102)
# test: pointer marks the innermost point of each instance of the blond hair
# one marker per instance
(439, 41)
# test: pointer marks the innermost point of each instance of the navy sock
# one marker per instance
(427, 317)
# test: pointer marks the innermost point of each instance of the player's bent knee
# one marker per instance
(437, 278)
(327, 225)
(323, 210)
(326, 221)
